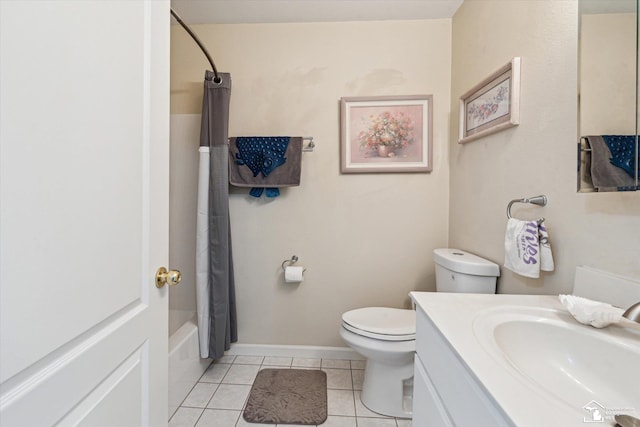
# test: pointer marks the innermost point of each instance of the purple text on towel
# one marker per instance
(529, 243)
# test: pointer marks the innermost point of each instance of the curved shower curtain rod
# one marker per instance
(217, 78)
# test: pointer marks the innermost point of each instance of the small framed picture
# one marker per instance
(492, 105)
(386, 134)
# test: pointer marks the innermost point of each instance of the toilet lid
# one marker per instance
(391, 324)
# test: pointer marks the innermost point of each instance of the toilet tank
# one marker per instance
(460, 271)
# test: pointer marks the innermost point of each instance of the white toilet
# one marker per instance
(386, 336)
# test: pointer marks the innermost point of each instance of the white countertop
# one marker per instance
(525, 402)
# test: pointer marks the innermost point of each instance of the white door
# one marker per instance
(84, 212)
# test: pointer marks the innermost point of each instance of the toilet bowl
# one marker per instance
(386, 338)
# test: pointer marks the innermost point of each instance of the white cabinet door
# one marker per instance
(84, 212)
(428, 409)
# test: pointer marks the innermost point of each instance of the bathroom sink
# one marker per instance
(563, 359)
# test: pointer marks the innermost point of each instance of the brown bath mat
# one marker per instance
(288, 396)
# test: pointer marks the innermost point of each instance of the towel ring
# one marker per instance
(537, 200)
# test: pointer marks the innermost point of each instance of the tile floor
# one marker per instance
(218, 399)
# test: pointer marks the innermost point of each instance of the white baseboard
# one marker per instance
(306, 351)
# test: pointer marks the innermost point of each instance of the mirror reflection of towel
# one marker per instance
(605, 175)
(265, 162)
(623, 151)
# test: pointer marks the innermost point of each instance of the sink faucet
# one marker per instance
(633, 312)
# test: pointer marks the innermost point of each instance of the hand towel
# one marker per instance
(546, 257)
(521, 248)
(265, 162)
(589, 312)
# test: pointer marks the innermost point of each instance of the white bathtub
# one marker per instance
(185, 365)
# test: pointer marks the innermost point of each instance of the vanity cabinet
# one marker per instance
(445, 392)
(487, 360)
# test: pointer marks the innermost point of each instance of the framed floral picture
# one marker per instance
(492, 105)
(386, 134)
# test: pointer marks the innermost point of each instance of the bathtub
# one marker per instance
(185, 365)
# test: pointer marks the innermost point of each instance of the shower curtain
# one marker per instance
(215, 289)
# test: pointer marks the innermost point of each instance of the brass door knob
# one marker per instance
(172, 277)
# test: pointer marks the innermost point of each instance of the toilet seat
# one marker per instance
(382, 323)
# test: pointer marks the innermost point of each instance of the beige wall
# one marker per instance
(536, 157)
(365, 240)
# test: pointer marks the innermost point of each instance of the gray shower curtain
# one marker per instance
(215, 289)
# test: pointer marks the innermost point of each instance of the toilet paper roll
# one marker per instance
(293, 274)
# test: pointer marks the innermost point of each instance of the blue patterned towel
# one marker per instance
(261, 154)
(263, 162)
(622, 148)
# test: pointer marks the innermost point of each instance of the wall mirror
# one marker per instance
(608, 95)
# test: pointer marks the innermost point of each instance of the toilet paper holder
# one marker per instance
(290, 262)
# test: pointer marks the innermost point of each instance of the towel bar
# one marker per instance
(537, 200)
(310, 145)
(586, 144)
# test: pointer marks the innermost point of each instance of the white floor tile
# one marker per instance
(218, 418)
(305, 362)
(336, 363)
(215, 373)
(358, 377)
(185, 417)
(340, 402)
(376, 422)
(339, 379)
(358, 364)
(335, 421)
(242, 423)
(277, 361)
(200, 395)
(229, 396)
(276, 367)
(241, 374)
(363, 411)
(218, 399)
(225, 359)
(249, 360)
